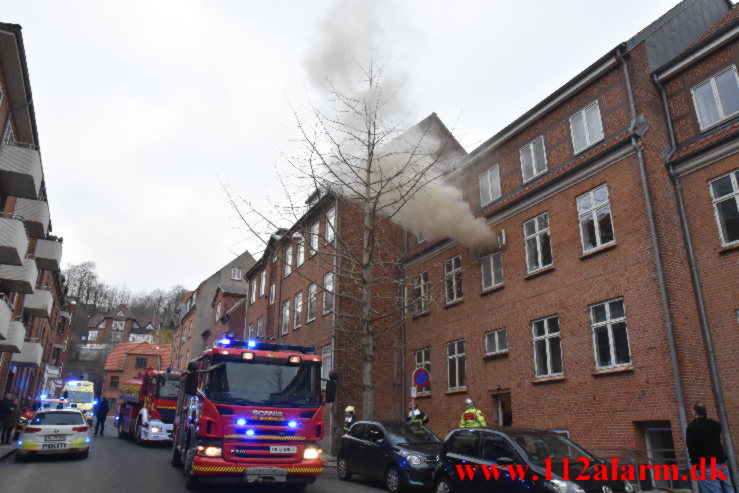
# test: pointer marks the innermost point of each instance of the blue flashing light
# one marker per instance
(20, 442)
(241, 421)
(44, 396)
(252, 344)
(250, 433)
(95, 402)
(73, 383)
(87, 440)
(224, 342)
(293, 424)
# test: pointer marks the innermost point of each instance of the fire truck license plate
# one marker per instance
(54, 438)
(283, 449)
(265, 475)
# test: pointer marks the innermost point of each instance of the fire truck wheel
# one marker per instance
(138, 433)
(176, 459)
(191, 481)
(393, 480)
(342, 469)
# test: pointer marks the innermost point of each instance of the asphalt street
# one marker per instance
(121, 466)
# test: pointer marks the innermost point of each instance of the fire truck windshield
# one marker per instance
(168, 388)
(265, 384)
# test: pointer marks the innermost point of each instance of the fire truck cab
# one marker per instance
(146, 410)
(253, 411)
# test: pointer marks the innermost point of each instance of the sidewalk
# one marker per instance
(6, 450)
(328, 460)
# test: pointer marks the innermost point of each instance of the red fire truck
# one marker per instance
(252, 410)
(147, 406)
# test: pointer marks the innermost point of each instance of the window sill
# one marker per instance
(539, 272)
(596, 251)
(421, 315)
(307, 322)
(423, 395)
(610, 371)
(492, 290)
(496, 355)
(589, 146)
(556, 378)
(728, 248)
(454, 303)
(461, 390)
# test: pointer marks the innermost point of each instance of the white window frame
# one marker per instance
(455, 275)
(529, 148)
(92, 335)
(272, 294)
(734, 195)
(219, 308)
(496, 335)
(262, 283)
(420, 294)
(329, 299)
(312, 303)
(490, 262)
(593, 213)
(454, 359)
(717, 100)
(260, 326)
(423, 360)
(538, 233)
(586, 126)
(488, 179)
(235, 273)
(251, 330)
(300, 252)
(288, 260)
(547, 338)
(330, 225)
(285, 322)
(327, 355)
(253, 289)
(609, 322)
(314, 235)
(119, 325)
(298, 318)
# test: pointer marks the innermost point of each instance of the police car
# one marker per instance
(54, 431)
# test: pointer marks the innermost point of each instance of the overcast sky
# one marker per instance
(142, 105)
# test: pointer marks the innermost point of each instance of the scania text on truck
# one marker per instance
(147, 406)
(254, 411)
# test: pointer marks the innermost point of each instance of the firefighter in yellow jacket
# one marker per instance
(472, 417)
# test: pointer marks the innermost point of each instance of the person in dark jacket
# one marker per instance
(7, 406)
(101, 412)
(703, 438)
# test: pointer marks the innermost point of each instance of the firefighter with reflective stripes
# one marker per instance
(472, 417)
(417, 416)
(349, 418)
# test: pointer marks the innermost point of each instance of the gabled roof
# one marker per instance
(117, 356)
(727, 19)
(125, 312)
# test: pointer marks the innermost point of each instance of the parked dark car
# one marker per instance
(402, 454)
(504, 446)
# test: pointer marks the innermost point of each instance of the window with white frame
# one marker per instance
(300, 253)
(538, 243)
(298, 311)
(92, 335)
(594, 213)
(331, 224)
(219, 307)
(313, 239)
(453, 279)
(491, 268)
(547, 347)
(235, 273)
(288, 260)
(533, 159)
(260, 327)
(262, 283)
(327, 365)
(717, 99)
(496, 342)
(272, 293)
(421, 238)
(116, 336)
(251, 330)
(253, 290)
(489, 185)
(420, 293)
(610, 337)
(312, 293)
(455, 359)
(285, 317)
(423, 360)
(586, 127)
(725, 197)
(328, 292)
(119, 324)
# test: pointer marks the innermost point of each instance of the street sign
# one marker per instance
(421, 377)
(413, 392)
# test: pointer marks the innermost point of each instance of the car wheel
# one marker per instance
(138, 438)
(120, 429)
(85, 454)
(342, 469)
(442, 486)
(393, 480)
(192, 482)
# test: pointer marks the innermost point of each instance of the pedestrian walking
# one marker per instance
(703, 438)
(349, 418)
(12, 422)
(6, 409)
(101, 412)
(472, 417)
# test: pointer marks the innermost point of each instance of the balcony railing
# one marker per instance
(19, 278)
(36, 215)
(13, 342)
(30, 355)
(20, 171)
(5, 314)
(39, 303)
(48, 254)
(13, 239)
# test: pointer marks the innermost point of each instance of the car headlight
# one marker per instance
(311, 453)
(413, 460)
(209, 451)
(155, 429)
(561, 486)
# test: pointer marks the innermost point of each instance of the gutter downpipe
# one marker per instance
(636, 143)
(699, 299)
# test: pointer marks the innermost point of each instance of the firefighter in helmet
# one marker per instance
(472, 417)
(349, 418)
(415, 415)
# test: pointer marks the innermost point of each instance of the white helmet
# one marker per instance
(349, 409)
(468, 402)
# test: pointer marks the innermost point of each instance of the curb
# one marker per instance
(7, 453)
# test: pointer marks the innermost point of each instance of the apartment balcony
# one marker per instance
(13, 239)
(19, 278)
(5, 314)
(48, 254)
(13, 342)
(35, 213)
(30, 355)
(20, 171)
(39, 303)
